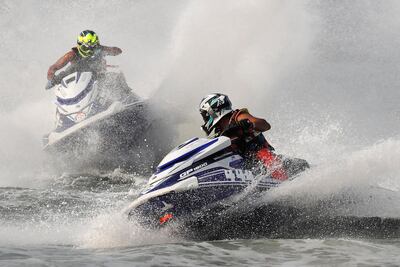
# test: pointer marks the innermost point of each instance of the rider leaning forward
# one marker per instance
(244, 129)
(88, 55)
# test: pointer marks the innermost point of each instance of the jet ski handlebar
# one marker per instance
(231, 129)
(230, 132)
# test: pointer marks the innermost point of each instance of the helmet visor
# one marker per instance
(204, 115)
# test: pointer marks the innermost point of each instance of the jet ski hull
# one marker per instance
(188, 187)
(102, 125)
(103, 143)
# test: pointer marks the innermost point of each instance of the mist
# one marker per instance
(323, 74)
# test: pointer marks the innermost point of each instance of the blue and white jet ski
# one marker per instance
(197, 175)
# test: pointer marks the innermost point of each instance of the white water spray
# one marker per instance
(324, 74)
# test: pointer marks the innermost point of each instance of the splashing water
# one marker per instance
(324, 74)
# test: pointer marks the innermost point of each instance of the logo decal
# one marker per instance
(185, 173)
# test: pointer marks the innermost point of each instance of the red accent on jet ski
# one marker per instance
(166, 218)
(272, 162)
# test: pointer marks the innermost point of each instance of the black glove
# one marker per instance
(245, 124)
(49, 85)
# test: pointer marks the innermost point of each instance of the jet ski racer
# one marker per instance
(244, 129)
(88, 55)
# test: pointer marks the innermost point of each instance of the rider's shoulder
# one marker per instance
(73, 52)
(240, 111)
(244, 110)
(70, 55)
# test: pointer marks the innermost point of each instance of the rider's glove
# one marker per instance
(49, 85)
(246, 125)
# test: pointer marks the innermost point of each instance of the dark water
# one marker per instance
(263, 252)
(76, 221)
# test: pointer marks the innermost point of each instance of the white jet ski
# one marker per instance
(99, 121)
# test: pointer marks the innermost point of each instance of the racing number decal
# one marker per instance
(239, 176)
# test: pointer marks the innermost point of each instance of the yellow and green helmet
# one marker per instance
(87, 41)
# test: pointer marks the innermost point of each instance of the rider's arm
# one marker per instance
(60, 63)
(259, 125)
(111, 50)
